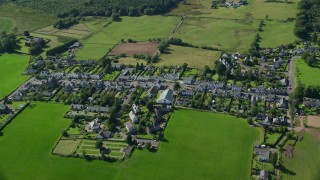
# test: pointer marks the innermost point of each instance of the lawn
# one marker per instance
(66, 147)
(11, 69)
(137, 28)
(233, 35)
(194, 57)
(112, 76)
(277, 33)
(25, 18)
(306, 161)
(6, 24)
(199, 145)
(272, 138)
(305, 73)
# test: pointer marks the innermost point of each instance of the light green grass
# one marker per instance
(257, 9)
(137, 28)
(67, 147)
(233, 35)
(272, 138)
(305, 73)
(26, 19)
(6, 24)
(277, 33)
(306, 161)
(199, 145)
(112, 76)
(194, 57)
(11, 69)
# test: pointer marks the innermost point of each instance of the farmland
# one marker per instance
(78, 31)
(276, 33)
(6, 24)
(194, 57)
(43, 124)
(305, 73)
(145, 48)
(149, 27)
(306, 161)
(231, 35)
(12, 67)
(25, 18)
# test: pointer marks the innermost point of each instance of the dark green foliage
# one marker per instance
(309, 58)
(65, 23)
(60, 49)
(75, 8)
(307, 20)
(7, 42)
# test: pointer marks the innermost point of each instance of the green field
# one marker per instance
(6, 24)
(12, 67)
(277, 33)
(305, 73)
(199, 146)
(256, 9)
(306, 161)
(234, 35)
(25, 18)
(137, 28)
(194, 57)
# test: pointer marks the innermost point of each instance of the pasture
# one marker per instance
(305, 163)
(78, 31)
(6, 24)
(198, 145)
(233, 35)
(305, 73)
(256, 9)
(139, 48)
(11, 69)
(194, 57)
(277, 33)
(136, 28)
(25, 18)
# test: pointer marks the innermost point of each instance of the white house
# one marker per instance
(93, 125)
(130, 126)
(166, 97)
(135, 108)
(133, 117)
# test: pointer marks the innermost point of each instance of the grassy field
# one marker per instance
(199, 146)
(277, 33)
(305, 73)
(306, 161)
(6, 24)
(257, 9)
(25, 18)
(78, 31)
(194, 57)
(235, 35)
(11, 69)
(106, 37)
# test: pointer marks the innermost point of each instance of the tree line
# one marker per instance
(8, 42)
(100, 7)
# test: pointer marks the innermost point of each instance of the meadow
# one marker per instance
(305, 73)
(6, 24)
(136, 28)
(276, 33)
(12, 67)
(196, 143)
(194, 57)
(25, 18)
(234, 35)
(306, 161)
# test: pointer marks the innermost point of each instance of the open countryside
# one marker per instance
(185, 89)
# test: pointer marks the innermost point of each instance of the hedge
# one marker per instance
(60, 49)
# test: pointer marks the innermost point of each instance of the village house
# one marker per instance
(152, 91)
(166, 97)
(93, 125)
(4, 109)
(155, 126)
(133, 117)
(104, 134)
(130, 127)
(263, 153)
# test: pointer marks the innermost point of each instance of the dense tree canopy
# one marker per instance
(99, 7)
(308, 18)
(7, 42)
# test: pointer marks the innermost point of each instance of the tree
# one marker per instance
(115, 17)
(150, 105)
(274, 159)
(26, 33)
(176, 86)
(289, 134)
(163, 46)
(129, 140)
(148, 146)
(99, 144)
(221, 68)
(65, 133)
(250, 120)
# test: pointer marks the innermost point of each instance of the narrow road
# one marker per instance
(177, 27)
(291, 75)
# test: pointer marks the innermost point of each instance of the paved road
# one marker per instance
(291, 75)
